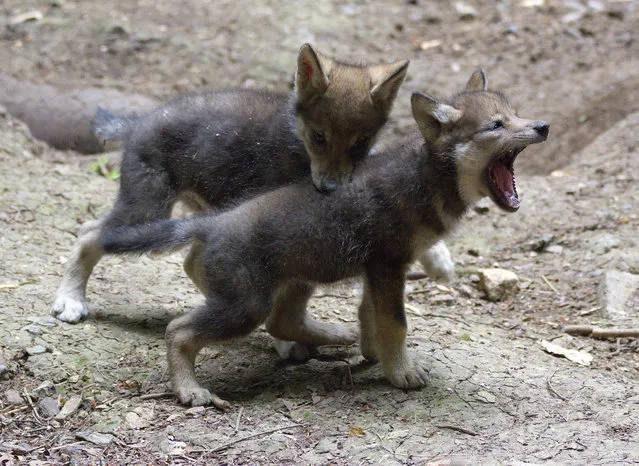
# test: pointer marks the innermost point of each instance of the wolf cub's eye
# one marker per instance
(361, 144)
(496, 125)
(318, 138)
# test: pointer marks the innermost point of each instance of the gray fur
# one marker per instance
(261, 260)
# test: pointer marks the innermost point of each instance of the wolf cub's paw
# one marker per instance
(437, 263)
(69, 309)
(198, 396)
(293, 351)
(368, 348)
(408, 375)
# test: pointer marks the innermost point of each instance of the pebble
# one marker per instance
(95, 437)
(70, 407)
(466, 12)
(606, 242)
(3, 368)
(196, 411)
(46, 321)
(486, 396)
(498, 284)
(615, 291)
(33, 329)
(466, 291)
(444, 299)
(555, 249)
(38, 349)
(13, 397)
(44, 389)
(170, 447)
(139, 418)
(49, 406)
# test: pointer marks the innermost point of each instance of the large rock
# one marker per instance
(615, 292)
(61, 119)
(498, 284)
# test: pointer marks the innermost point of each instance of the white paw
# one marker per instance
(292, 350)
(437, 262)
(69, 309)
(198, 396)
(408, 375)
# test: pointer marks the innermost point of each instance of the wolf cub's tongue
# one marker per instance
(505, 182)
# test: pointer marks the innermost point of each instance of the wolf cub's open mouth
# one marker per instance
(501, 180)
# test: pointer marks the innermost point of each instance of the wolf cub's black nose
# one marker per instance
(542, 128)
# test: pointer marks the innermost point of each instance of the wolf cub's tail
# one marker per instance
(157, 237)
(109, 127)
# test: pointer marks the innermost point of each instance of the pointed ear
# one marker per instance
(310, 80)
(477, 81)
(385, 82)
(431, 115)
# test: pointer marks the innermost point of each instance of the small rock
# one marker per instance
(486, 397)
(33, 329)
(33, 350)
(13, 397)
(430, 44)
(444, 299)
(326, 445)
(170, 447)
(555, 249)
(540, 244)
(69, 408)
(95, 437)
(466, 12)
(44, 389)
(47, 321)
(615, 291)
(22, 448)
(474, 278)
(605, 243)
(139, 418)
(498, 284)
(3, 368)
(49, 406)
(466, 291)
(196, 411)
(33, 15)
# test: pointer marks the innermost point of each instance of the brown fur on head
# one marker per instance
(485, 135)
(340, 110)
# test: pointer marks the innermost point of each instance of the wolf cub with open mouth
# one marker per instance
(262, 259)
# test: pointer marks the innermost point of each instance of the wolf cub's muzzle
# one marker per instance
(500, 174)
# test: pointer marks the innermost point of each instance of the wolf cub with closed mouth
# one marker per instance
(262, 259)
(215, 149)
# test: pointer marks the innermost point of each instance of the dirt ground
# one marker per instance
(498, 397)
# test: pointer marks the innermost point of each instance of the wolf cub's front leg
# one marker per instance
(437, 262)
(386, 288)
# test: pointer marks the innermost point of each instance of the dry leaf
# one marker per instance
(356, 431)
(580, 357)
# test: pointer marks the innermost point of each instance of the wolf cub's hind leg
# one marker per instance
(184, 340)
(289, 321)
(193, 265)
(214, 322)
